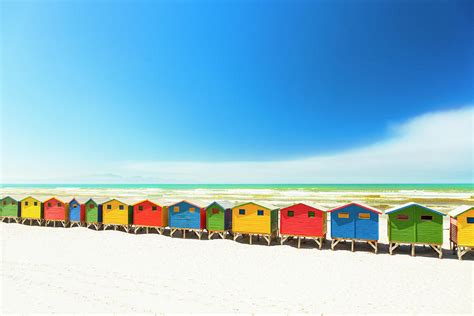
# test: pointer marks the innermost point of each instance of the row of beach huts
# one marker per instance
(412, 224)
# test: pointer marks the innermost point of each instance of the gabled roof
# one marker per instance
(194, 203)
(368, 208)
(315, 207)
(8, 196)
(460, 209)
(99, 200)
(54, 198)
(147, 200)
(224, 204)
(29, 197)
(266, 206)
(401, 207)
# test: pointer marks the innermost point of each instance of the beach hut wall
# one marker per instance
(186, 215)
(76, 210)
(55, 209)
(9, 207)
(462, 226)
(219, 216)
(303, 220)
(415, 223)
(31, 208)
(355, 221)
(253, 218)
(115, 212)
(148, 213)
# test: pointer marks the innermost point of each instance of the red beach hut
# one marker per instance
(55, 210)
(148, 214)
(303, 221)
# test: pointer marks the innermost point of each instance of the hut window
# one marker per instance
(402, 217)
(36, 203)
(470, 220)
(291, 213)
(343, 215)
(49, 204)
(4, 202)
(140, 208)
(310, 214)
(26, 203)
(153, 208)
(13, 203)
(241, 212)
(426, 217)
(215, 211)
(176, 209)
(364, 216)
(109, 207)
(120, 207)
(260, 212)
(59, 204)
(192, 209)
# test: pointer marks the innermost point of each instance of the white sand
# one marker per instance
(79, 270)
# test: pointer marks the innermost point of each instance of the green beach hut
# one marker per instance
(93, 212)
(9, 208)
(219, 218)
(415, 224)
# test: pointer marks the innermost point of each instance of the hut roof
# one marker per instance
(195, 203)
(266, 205)
(9, 196)
(145, 200)
(56, 198)
(99, 200)
(459, 210)
(310, 205)
(225, 204)
(401, 207)
(368, 208)
(29, 196)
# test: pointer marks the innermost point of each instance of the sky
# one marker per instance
(237, 91)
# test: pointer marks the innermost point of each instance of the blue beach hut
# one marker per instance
(355, 222)
(76, 212)
(187, 216)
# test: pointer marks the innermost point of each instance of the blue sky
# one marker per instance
(94, 88)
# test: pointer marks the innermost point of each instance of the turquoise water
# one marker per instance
(456, 187)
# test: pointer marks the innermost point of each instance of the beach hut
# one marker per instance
(219, 218)
(76, 212)
(9, 209)
(147, 214)
(255, 220)
(187, 216)
(117, 214)
(355, 222)
(461, 229)
(55, 211)
(303, 221)
(93, 212)
(31, 210)
(415, 224)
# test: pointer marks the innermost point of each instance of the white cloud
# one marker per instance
(435, 147)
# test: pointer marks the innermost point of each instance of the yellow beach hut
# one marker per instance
(117, 214)
(461, 229)
(255, 220)
(31, 210)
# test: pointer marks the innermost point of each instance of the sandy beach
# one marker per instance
(78, 270)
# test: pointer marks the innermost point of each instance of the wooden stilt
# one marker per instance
(250, 239)
(352, 245)
(299, 242)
